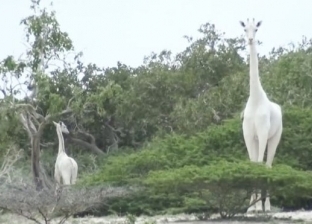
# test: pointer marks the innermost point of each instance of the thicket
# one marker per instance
(218, 157)
(170, 126)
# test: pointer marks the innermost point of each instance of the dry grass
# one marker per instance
(23, 202)
(46, 206)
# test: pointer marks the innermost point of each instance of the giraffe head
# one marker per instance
(61, 126)
(250, 28)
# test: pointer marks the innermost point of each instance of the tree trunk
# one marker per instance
(113, 139)
(35, 155)
(112, 135)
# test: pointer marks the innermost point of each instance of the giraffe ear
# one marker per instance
(242, 23)
(259, 23)
(54, 123)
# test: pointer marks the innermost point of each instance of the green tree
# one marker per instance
(47, 44)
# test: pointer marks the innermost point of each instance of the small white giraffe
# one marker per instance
(262, 119)
(66, 168)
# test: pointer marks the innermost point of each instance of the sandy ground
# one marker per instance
(288, 217)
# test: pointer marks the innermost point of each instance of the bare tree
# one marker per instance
(19, 196)
(44, 206)
(34, 123)
(11, 156)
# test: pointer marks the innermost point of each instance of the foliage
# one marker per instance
(228, 185)
(174, 113)
(217, 143)
(295, 146)
(173, 151)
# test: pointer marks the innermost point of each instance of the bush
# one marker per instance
(295, 146)
(174, 151)
(227, 186)
(217, 143)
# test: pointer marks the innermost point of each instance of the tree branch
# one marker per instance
(87, 135)
(11, 157)
(119, 130)
(49, 117)
(4, 93)
(68, 110)
(27, 202)
(91, 146)
(28, 125)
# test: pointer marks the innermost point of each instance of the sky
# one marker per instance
(108, 31)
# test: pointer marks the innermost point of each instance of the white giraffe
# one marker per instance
(262, 119)
(66, 168)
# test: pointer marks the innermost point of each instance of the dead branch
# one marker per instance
(48, 144)
(41, 207)
(71, 99)
(91, 146)
(113, 136)
(29, 116)
(89, 143)
(119, 130)
(48, 182)
(87, 135)
(3, 92)
(38, 117)
(27, 124)
(62, 113)
(11, 157)
(28, 107)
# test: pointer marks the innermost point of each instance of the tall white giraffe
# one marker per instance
(262, 119)
(66, 168)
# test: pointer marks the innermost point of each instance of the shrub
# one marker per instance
(227, 186)
(295, 146)
(174, 151)
(216, 143)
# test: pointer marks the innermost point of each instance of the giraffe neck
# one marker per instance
(61, 148)
(256, 90)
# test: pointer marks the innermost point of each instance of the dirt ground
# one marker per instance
(290, 217)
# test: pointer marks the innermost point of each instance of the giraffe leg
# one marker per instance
(252, 148)
(57, 178)
(272, 146)
(66, 176)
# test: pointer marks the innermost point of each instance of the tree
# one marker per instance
(48, 45)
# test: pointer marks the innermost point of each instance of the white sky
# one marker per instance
(108, 31)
